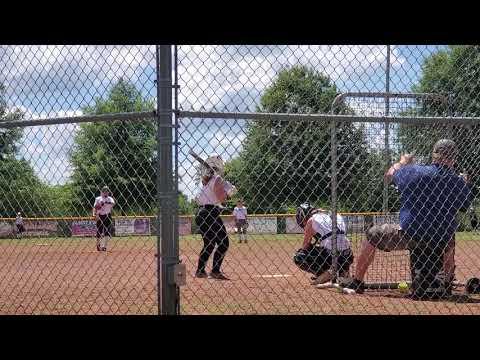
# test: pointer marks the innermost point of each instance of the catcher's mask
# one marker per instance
(216, 162)
(304, 212)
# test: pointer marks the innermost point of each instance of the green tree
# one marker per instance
(118, 154)
(9, 138)
(455, 73)
(20, 188)
(61, 199)
(185, 207)
(284, 162)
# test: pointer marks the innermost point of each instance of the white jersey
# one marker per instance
(240, 213)
(107, 204)
(322, 225)
(19, 220)
(207, 196)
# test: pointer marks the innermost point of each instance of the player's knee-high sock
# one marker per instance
(105, 241)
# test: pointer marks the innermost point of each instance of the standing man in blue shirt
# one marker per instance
(431, 196)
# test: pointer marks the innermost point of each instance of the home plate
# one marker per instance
(273, 276)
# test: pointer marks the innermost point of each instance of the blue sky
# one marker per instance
(52, 81)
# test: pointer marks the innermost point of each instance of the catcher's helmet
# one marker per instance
(304, 212)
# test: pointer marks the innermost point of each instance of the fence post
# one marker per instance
(167, 197)
(387, 131)
(333, 183)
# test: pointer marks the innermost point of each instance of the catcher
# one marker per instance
(316, 254)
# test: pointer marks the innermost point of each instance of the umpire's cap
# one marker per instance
(445, 149)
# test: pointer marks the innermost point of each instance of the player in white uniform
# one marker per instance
(19, 224)
(316, 254)
(214, 191)
(241, 224)
(102, 211)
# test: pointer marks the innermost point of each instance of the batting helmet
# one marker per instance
(304, 212)
(216, 162)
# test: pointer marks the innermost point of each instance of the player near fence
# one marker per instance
(19, 224)
(214, 191)
(315, 256)
(241, 221)
(102, 211)
(431, 196)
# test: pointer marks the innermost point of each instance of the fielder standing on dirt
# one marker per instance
(19, 224)
(215, 190)
(102, 211)
(241, 224)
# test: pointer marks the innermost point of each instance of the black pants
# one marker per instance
(474, 221)
(104, 225)
(214, 234)
(426, 264)
(318, 259)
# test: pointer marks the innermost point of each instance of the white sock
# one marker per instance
(103, 242)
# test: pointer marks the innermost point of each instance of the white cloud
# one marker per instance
(32, 115)
(50, 78)
(46, 147)
(209, 73)
(57, 81)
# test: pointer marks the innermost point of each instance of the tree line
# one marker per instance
(281, 163)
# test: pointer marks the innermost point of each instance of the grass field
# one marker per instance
(68, 276)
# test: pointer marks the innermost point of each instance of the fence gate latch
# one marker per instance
(180, 274)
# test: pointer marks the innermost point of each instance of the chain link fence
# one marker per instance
(321, 124)
(75, 119)
(292, 124)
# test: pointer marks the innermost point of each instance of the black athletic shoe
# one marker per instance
(353, 284)
(201, 274)
(217, 276)
(431, 294)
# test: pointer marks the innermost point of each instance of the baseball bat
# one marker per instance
(201, 161)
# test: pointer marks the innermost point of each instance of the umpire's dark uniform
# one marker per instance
(212, 229)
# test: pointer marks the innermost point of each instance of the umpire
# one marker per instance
(431, 196)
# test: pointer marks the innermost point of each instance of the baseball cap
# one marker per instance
(445, 148)
(105, 189)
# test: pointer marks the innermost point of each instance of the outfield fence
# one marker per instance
(292, 124)
(148, 225)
